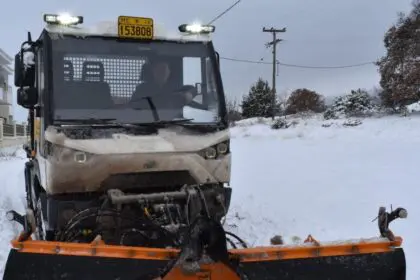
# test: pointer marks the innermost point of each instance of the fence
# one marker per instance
(12, 134)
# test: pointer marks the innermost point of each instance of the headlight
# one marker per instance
(215, 151)
(63, 19)
(64, 154)
(210, 153)
(222, 148)
(196, 28)
(80, 157)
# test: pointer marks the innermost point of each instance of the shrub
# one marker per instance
(356, 104)
(304, 100)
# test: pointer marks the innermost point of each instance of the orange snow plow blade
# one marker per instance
(378, 259)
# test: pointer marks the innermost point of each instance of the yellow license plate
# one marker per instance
(135, 27)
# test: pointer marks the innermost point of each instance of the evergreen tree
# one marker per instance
(400, 67)
(259, 101)
(357, 103)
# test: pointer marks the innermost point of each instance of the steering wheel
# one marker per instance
(184, 92)
(183, 96)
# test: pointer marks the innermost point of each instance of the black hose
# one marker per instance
(142, 224)
(240, 240)
(77, 219)
(231, 243)
(146, 226)
(146, 240)
(165, 238)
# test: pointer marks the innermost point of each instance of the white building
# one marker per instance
(6, 95)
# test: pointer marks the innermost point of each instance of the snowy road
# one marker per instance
(328, 182)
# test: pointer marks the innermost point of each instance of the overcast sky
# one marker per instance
(319, 33)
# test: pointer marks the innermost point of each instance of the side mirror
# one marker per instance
(18, 70)
(24, 74)
(198, 88)
(27, 97)
(27, 149)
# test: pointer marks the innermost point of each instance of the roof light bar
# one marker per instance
(63, 19)
(196, 28)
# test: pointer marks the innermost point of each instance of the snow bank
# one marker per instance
(415, 107)
(386, 128)
(7, 152)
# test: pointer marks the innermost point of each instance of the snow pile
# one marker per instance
(10, 152)
(415, 107)
(198, 115)
(28, 58)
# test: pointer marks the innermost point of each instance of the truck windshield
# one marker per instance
(134, 82)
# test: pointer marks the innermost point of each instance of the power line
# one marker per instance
(245, 60)
(299, 66)
(280, 63)
(328, 67)
(224, 12)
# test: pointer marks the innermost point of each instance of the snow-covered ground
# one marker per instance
(307, 179)
(12, 196)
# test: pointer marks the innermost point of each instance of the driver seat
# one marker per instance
(96, 91)
(148, 86)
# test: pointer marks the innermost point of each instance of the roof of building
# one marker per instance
(6, 69)
(5, 61)
(5, 57)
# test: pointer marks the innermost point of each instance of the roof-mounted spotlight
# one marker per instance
(63, 19)
(196, 28)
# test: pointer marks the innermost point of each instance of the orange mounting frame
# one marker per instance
(310, 250)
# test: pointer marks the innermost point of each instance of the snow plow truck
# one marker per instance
(129, 162)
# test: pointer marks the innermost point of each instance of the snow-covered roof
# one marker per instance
(110, 29)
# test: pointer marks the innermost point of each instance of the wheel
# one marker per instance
(28, 187)
(40, 232)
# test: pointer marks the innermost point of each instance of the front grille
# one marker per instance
(148, 180)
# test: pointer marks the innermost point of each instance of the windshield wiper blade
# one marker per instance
(88, 121)
(92, 122)
(174, 121)
(163, 122)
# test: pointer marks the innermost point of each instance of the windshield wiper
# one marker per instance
(88, 121)
(174, 121)
(164, 122)
(92, 122)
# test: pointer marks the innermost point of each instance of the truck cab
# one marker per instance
(123, 105)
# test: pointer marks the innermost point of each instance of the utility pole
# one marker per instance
(273, 43)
